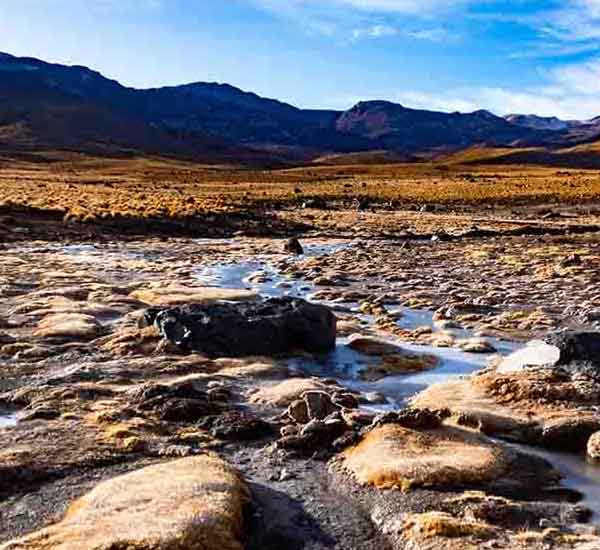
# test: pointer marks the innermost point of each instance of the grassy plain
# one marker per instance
(90, 189)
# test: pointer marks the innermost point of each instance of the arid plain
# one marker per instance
(420, 429)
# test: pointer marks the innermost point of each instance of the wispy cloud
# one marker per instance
(352, 20)
(574, 21)
(412, 7)
(374, 31)
(385, 31)
(582, 79)
(570, 91)
(437, 34)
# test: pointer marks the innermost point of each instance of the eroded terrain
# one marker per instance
(384, 442)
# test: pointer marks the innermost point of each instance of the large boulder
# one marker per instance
(271, 327)
(192, 503)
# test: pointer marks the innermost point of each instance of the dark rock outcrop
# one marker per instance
(274, 326)
(236, 426)
(577, 347)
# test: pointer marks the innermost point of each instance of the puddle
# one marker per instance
(261, 276)
(578, 474)
(312, 250)
(345, 364)
(8, 419)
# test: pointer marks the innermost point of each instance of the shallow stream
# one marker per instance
(345, 364)
(260, 274)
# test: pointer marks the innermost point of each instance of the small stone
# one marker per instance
(289, 431)
(593, 446)
(298, 411)
(314, 426)
(344, 400)
(477, 345)
(285, 474)
(293, 246)
(374, 398)
(319, 404)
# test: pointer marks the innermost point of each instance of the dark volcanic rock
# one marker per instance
(176, 403)
(236, 426)
(275, 326)
(577, 346)
(413, 419)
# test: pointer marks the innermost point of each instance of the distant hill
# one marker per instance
(580, 156)
(395, 127)
(541, 123)
(572, 130)
(46, 106)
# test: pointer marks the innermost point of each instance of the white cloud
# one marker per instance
(569, 92)
(413, 7)
(374, 31)
(582, 79)
(351, 20)
(432, 35)
(575, 21)
(503, 101)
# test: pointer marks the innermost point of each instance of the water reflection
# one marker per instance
(7, 419)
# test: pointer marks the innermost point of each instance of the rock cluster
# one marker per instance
(319, 420)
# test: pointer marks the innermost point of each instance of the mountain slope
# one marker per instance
(395, 127)
(49, 106)
(214, 110)
(41, 112)
(580, 156)
(572, 130)
(541, 123)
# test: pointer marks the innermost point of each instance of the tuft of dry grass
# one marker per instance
(439, 524)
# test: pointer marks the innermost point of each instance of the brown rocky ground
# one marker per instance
(98, 397)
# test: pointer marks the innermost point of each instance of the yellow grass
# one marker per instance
(88, 189)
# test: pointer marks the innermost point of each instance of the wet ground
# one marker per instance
(502, 295)
(345, 364)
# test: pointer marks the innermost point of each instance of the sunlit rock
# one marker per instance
(536, 353)
(192, 503)
(161, 295)
(391, 456)
(68, 325)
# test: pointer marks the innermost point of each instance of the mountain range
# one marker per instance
(46, 106)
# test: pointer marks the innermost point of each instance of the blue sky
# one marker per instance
(504, 55)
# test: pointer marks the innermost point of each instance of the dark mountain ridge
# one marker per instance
(44, 105)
